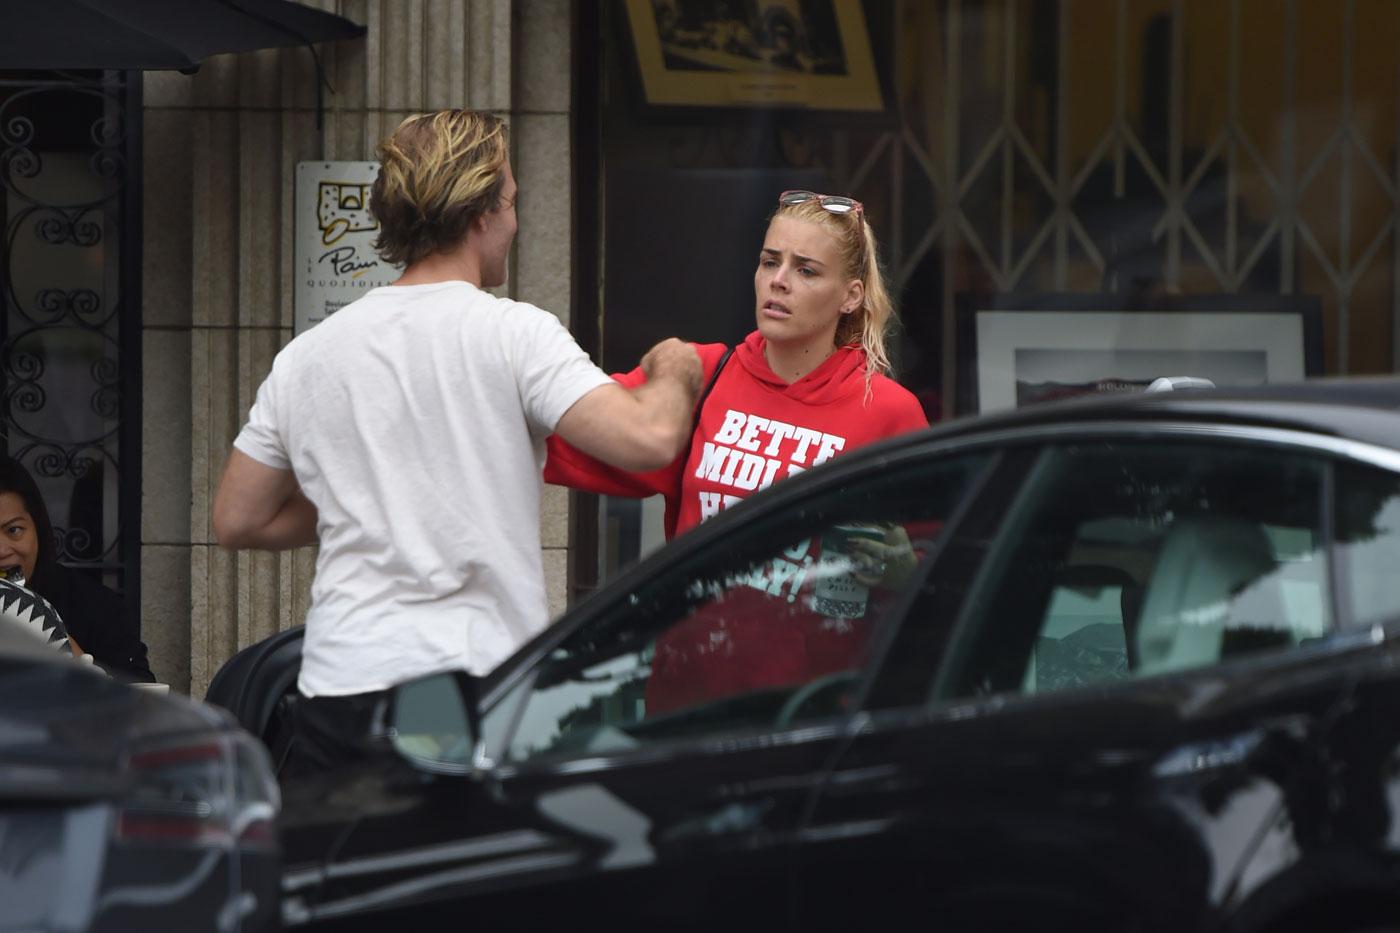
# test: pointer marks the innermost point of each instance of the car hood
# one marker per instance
(65, 728)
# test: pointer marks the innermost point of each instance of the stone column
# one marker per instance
(221, 154)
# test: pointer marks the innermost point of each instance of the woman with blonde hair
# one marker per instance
(809, 383)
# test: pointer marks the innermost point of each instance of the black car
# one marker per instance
(1136, 668)
(125, 810)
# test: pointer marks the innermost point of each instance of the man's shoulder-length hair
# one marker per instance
(438, 173)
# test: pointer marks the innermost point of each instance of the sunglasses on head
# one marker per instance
(832, 203)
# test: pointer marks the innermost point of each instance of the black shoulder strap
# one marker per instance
(705, 393)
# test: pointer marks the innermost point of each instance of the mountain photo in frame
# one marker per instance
(1020, 350)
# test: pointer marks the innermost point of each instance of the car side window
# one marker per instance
(1129, 559)
(767, 627)
(1368, 542)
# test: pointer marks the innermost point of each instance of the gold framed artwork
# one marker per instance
(810, 54)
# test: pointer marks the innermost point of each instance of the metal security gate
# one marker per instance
(1145, 192)
(70, 164)
(1132, 148)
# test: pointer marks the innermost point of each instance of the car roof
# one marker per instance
(1366, 410)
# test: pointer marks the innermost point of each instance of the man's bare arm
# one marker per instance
(643, 428)
(258, 506)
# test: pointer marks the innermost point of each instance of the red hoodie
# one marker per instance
(753, 430)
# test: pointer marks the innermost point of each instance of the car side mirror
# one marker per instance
(434, 722)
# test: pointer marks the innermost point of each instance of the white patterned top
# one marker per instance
(33, 612)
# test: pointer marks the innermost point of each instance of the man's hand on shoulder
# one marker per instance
(674, 359)
(644, 428)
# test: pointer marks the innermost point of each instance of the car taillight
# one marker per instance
(211, 790)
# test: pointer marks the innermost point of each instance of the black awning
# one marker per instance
(154, 34)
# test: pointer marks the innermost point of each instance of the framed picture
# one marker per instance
(813, 54)
(1018, 350)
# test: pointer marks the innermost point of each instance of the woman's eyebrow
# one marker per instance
(21, 517)
(797, 256)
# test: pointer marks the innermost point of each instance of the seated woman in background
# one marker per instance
(94, 616)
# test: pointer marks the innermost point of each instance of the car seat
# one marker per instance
(1213, 593)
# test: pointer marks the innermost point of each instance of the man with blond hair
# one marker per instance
(405, 435)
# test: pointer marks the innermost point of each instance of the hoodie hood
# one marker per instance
(839, 374)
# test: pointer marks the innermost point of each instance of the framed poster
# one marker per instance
(334, 231)
(1019, 350)
(813, 54)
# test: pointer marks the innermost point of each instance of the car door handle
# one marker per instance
(1288, 736)
(1211, 755)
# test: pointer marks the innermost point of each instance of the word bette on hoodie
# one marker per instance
(747, 452)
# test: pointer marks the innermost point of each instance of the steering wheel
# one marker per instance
(828, 686)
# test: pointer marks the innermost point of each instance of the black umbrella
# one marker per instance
(154, 34)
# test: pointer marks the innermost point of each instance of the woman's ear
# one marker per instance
(855, 297)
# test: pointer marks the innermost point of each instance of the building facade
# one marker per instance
(1125, 158)
(221, 148)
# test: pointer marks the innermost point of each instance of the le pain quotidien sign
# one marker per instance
(334, 230)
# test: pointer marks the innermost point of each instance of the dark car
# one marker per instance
(125, 810)
(1125, 663)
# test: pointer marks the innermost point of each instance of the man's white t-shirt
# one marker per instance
(414, 419)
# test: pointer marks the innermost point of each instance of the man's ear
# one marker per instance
(855, 297)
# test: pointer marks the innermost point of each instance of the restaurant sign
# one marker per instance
(334, 231)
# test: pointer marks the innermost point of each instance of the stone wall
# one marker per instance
(221, 149)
